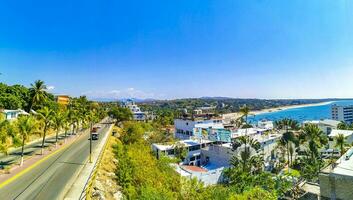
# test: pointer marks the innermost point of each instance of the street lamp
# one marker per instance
(90, 143)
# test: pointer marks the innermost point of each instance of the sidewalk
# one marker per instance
(38, 140)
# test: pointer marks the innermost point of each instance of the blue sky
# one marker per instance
(186, 48)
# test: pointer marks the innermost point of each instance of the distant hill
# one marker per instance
(226, 104)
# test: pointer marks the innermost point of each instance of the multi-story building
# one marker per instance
(138, 115)
(185, 127)
(342, 113)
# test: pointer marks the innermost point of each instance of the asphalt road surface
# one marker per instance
(49, 180)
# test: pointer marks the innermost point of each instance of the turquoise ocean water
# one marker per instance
(300, 114)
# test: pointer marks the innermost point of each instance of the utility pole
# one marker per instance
(90, 143)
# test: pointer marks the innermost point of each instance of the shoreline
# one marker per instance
(282, 108)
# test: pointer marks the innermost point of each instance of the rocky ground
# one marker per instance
(105, 186)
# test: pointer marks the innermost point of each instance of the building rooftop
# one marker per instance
(187, 143)
(329, 122)
(247, 132)
(344, 165)
(21, 112)
(335, 133)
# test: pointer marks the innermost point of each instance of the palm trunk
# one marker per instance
(22, 152)
(288, 155)
(56, 138)
(43, 141)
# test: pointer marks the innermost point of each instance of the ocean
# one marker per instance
(300, 114)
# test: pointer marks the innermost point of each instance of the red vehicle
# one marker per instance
(94, 129)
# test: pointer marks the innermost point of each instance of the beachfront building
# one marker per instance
(137, 114)
(342, 113)
(210, 149)
(13, 114)
(185, 127)
(336, 180)
(326, 125)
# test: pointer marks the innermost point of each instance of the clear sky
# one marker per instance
(182, 48)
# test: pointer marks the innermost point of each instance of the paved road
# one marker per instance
(49, 180)
(30, 149)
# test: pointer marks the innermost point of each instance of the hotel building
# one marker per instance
(342, 113)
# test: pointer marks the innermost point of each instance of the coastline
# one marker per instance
(271, 110)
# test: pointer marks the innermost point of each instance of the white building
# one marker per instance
(184, 128)
(336, 180)
(264, 124)
(138, 115)
(193, 148)
(326, 125)
(342, 113)
(348, 134)
(13, 114)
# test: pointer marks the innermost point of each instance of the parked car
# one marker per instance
(95, 136)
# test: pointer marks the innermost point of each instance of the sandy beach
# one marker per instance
(236, 115)
(257, 112)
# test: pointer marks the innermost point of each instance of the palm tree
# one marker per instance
(341, 142)
(46, 116)
(287, 124)
(315, 138)
(288, 138)
(246, 148)
(72, 118)
(37, 93)
(26, 126)
(244, 110)
(58, 123)
(342, 126)
(66, 123)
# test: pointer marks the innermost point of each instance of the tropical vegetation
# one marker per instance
(45, 115)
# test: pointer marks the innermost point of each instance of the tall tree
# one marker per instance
(58, 123)
(340, 143)
(46, 116)
(5, 139)
(245, 148)
(342, 126)
(288, 138)
(315, 139)
(26, 126)
(38, 94)
(244, 110)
